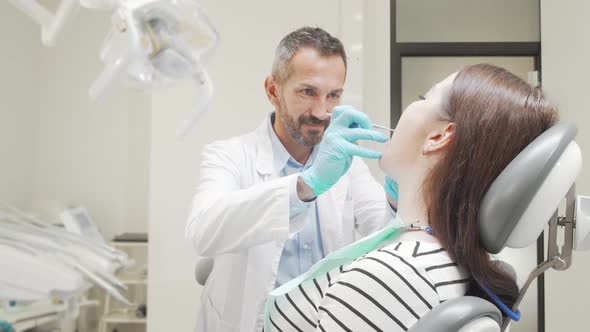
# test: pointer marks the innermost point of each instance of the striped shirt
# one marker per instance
(385, 290)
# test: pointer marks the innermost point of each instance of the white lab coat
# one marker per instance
(240, 216)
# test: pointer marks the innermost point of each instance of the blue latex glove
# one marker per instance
(391, 188)
(5, 326)
(338, 147)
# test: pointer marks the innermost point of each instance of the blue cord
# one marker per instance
(5, 326)
(515, 316)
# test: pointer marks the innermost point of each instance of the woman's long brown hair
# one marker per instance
(496, 115)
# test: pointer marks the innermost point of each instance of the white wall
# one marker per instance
(19, 104)
(566, 50)
(446, 20)
(96, 155)
(376, 70)
(238, 69)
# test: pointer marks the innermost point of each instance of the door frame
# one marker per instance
(465, 49)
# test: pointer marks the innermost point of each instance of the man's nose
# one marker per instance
(321, 110)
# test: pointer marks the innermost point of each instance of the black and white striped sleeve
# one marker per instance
(383, 291)
(298, 310)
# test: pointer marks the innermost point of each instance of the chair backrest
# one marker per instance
(514, 211)
(525, 195)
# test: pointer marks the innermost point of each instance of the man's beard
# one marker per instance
(295, 126)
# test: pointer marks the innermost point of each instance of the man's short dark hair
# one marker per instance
(315, 38)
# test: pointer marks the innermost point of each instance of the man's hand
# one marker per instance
(338, 147)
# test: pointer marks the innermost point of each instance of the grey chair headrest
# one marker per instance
(203, 269)
(509, 269)
(524, 196)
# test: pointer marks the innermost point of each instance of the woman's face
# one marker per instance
(415, 126)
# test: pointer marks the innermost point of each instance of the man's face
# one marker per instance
(309, 94)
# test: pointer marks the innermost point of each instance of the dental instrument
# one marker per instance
(383, 127)
(41, 261)
(374, 125)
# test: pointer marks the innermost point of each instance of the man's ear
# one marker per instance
(272, 92)
(439, 139)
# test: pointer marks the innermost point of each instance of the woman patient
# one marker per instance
(447, 149)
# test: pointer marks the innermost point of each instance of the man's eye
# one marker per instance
(334, 95)
(308, 92)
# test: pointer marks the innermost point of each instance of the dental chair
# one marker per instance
(520, 203)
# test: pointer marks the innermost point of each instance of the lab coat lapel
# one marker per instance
(264, 153)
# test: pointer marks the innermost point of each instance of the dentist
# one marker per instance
(273, 202)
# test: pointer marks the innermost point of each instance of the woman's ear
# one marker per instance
(271, 88)
(439, 139)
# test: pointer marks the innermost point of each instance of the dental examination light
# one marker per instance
(155, 43)
(41, 261)
(152, 44)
